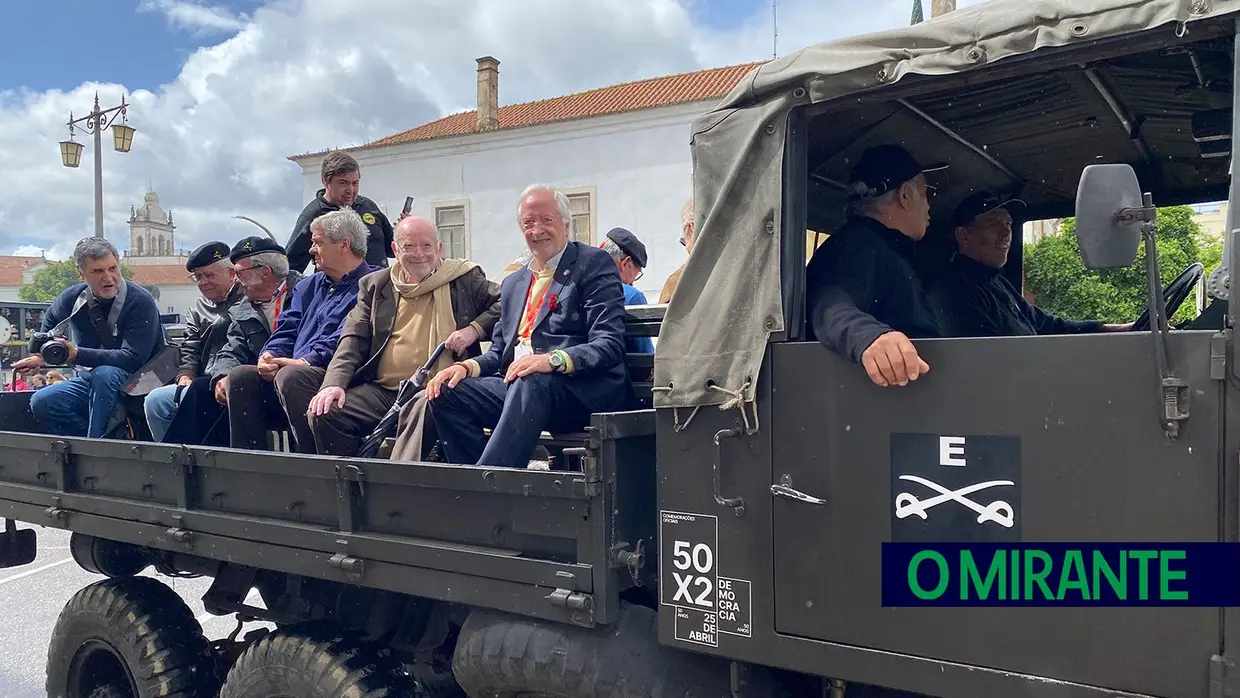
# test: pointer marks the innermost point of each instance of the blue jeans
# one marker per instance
(160, 409)
(82, 405)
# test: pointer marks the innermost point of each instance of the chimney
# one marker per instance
(941, 7)
(488, 94)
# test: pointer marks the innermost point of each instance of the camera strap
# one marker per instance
(105, 327)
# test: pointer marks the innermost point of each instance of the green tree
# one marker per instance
(1057, 277)
(48, 283)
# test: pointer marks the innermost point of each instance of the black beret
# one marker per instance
(210, 253)
(629, 244)
(248, 247)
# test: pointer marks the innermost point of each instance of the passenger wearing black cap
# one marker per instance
(629, 254)
(973, 298)
(206, 329)
(865, 302)
(266, 282)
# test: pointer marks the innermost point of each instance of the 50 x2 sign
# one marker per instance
(705, 604)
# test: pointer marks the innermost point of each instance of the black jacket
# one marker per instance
(975, 300)
(378, 244)
(206, 331)
(860, 284)
(247, 333)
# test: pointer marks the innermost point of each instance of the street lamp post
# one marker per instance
(94, 123)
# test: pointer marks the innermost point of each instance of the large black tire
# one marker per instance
(499, 655)
(129, 637)
(317, 660)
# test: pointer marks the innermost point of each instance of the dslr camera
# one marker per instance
(53, 349)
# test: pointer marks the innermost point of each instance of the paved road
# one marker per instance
(31, 598)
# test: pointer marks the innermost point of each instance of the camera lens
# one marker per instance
(55, 353)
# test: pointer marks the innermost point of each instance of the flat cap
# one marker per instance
(629, 244)
(255, 244)
(210, 253)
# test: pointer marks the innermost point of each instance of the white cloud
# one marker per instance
(305, 75)
(197, 17)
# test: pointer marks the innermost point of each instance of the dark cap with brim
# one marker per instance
(883, 168)
(250, 246)
(629, 244)
(983, 202)
(208, 254)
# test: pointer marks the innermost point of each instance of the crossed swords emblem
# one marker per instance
(998, 511)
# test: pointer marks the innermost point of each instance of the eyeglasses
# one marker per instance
(209, 276)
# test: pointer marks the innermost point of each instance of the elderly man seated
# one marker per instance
(261, 270)
(276, 393)
(557, 352)
(205, 332)
(402, 313)
(629, 254)
(111, 328)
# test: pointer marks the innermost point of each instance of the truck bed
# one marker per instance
(539, 543)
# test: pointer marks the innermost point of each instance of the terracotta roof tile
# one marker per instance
(668, 90)
(11, 269)
(160, 274)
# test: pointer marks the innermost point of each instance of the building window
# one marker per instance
(581, 205)
(450, 220)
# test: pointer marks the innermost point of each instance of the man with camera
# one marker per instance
(107, 328)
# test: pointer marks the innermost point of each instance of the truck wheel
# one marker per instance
(499, 655)
(125, 638)
(317, 660)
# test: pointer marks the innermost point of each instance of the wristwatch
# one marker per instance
(557, 360)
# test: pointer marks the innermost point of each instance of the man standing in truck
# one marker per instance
(205, 332)
(865, 300)
(402, 313)
(111, 329)
(557, 353)
(342, 178)
(276, 393)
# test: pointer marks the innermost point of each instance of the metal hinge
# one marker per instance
(1218, 357)
(179, 533)
(1223, 678)
(581, 605)
(355, 567)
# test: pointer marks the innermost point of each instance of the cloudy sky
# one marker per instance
(223, 91)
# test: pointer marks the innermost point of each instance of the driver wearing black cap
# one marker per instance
(864, 299)
(973, 298)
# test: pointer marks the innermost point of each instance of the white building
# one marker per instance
(621, 154)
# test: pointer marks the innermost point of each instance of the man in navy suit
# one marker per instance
(557, 351)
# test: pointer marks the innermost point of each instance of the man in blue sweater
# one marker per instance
(276, 393)
(112, 329)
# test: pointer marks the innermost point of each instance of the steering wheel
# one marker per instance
(1174, 295)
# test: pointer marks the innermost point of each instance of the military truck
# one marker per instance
(727, 539)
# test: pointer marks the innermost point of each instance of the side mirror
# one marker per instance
(1108, 241)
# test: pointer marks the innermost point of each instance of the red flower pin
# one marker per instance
(555, 303)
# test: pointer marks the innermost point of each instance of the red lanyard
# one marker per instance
(531, 309)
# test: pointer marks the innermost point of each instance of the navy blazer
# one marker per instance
(587, 324)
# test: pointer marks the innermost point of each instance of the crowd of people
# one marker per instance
(322, 357)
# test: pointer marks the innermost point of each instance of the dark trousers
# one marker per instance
(341, 430)
(199, 419)
(516, 412)
(256, 405)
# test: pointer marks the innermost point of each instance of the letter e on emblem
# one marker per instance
(951, 451)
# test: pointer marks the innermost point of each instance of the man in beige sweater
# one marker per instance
(402, 313)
